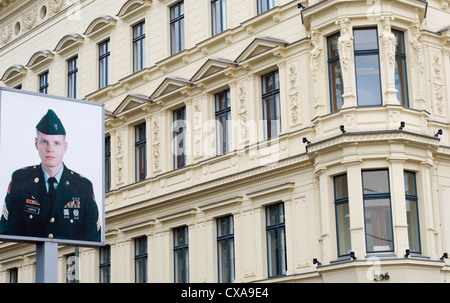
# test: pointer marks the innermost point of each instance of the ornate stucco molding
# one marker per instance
(263, 172)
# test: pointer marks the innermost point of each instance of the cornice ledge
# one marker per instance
(370, 137)
(251, 175)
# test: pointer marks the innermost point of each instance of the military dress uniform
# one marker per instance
(29, 211)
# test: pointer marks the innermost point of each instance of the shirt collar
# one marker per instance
(58, 175)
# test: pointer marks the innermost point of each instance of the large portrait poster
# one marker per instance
(51, 169)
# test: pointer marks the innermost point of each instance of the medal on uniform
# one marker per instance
(66, 213)
(76, 213)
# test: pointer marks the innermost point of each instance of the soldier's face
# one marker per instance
(51, 150)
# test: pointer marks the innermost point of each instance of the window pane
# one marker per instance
(337, 85)
(365, 39)
(400, 81)
(140, 246)
(333, 45)
(267, 83)
(140, 162)
(400, 46)
(343, 228)
(180, 236)
(223, 260)
(410, 183)
(341, 190)
(368, 80)
(378, 225)
(413, 225)
(140, 266)
(275, 214)
(181, 260)
(375, 182)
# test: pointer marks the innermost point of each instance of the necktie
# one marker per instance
(51, 189)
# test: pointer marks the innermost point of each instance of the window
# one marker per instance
(105, 264)
(43, 83)
(140, 260)
(264, 5)
(276, 240)
(140, 152)
(335, 73)
(14, 275)
(225, 249)
(367, 65)
(377, 211)
(223, 122)
(107, 164)
(181, 254)
(412, 212)
(271, 104)
(179, 137)
(342, 215)
(400, 69)
(138, 47)
(72, 78)
(218, 16)
(177, 28)
(103, 64)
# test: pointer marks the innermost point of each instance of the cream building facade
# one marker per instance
(251, 140)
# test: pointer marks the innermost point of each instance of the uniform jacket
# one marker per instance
(28, 212)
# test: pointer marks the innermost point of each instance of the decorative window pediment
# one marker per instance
(14, 75)
(130, 104)
(100, 25)
(260, 46)
(40, 58)
(213, 67)
(132, 7)
(68, 43)
(169, 86)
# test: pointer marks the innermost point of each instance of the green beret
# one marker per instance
(50, 124)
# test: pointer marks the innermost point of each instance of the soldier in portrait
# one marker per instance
(49, 200)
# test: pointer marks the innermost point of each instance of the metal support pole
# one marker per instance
(47, 262)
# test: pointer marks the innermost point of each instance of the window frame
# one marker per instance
(104, 265)
(401, 56)
(72, 77)
(176, 28)
(138, 144)
(413, 197)
(141, 256)
(367, 52)
(184, 249)
(218, 16)
(223, 146)
(227, 238)
(384, 195)
(13, 275)
(275, 104)
(139, 60)
(104, 57)
(107, 163)
(264, 6)
(44, 82)
(332, 83)
(278, 227)
(339, 201)
(179, 129)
